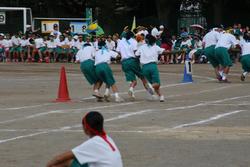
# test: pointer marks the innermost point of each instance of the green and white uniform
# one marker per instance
(148, 58)
(245, 57)
(102, 69)
(40, 45)
(210, 40)
(96, 152)
(221, 49)
(130, 64)
(86, 57)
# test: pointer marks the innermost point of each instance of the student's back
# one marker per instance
(97, 153)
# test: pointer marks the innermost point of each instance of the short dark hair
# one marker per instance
(150, 39)
(129, 35)
(95, 120)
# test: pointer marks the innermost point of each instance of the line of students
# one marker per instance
(95, 66)
(217, 44)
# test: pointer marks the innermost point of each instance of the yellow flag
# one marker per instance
(133, 24)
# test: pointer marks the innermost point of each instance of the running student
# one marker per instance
(149, 54)
(209, 42)
(102, 69)
(225, 42)
(130, 64)
(99, 151)
(86, 56)
(245, 58)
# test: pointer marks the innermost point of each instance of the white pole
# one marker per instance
(24, 20)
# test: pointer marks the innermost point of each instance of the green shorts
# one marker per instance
(61, 50)
(1, 50)
(75, 163)
(223, 57)
(131, 67)
(210, 54)
(245, 62)
(88, 70)
(15, 49)
(73, 50)
(24, 49)
(42, 49)
(105, 74)
(51, 50)
(151, 72)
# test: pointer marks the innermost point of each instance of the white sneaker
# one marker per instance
(97, 95)
(131, 94)
(119, 99)
(153, 97)
(162, 99)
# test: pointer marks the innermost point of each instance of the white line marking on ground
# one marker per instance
(89, 98)
(78, 125)
(24, 107)
(68, 110)
(100, 107)
(217, 117)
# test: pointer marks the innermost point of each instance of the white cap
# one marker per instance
(75, 37)
(161, 26)
(1, 34)
(28, 26)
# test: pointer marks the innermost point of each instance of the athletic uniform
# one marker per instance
(40, 45)
(96, 152)
(221, 50)
(86, 57)
(210, 40)
(103, 71)
(148, 58)
(130, 64)
(245, 57)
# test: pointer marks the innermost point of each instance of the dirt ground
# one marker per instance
(201, 124)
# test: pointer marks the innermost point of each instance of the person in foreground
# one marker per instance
(98, 151)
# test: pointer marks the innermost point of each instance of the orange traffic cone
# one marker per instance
(63, 93)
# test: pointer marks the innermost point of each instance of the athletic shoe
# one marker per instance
(162, 99)
(107, 97)
(131, 94)
(150, 89)
(97, 95)
(242, 77)
(219, 78)
(119, 99)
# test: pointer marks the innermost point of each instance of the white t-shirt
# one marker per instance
(155, 32)
(86, 53)
(7, 43)
(186, 43)
(149, 54)
(39, 43)
(211, 38)
(127, 48)
(15, 41)
(110, 45)
(227, 40)
(56, 33)
(97, 153)
(24, 42)
(51, 44)
(245, 47)
(79, 44)
(104, 56)
(61, 43)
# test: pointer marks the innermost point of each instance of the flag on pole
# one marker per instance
(133, 24)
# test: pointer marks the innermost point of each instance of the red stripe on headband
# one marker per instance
(102, 134)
